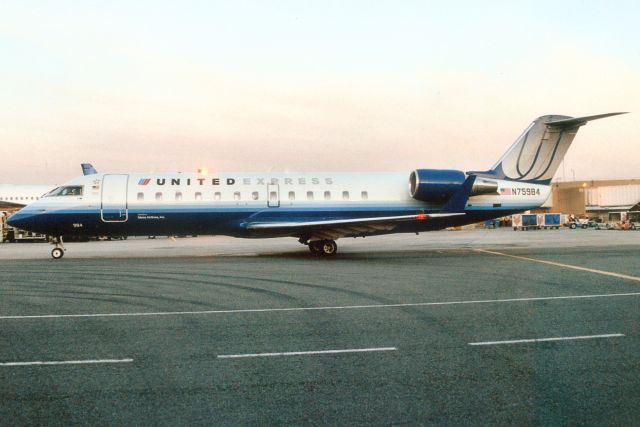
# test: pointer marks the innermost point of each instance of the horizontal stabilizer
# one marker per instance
(579, 121)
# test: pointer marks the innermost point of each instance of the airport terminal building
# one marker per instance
(609, 200)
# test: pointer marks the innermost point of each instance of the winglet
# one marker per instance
(88, 169)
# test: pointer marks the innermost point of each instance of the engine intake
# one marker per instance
(435, 185)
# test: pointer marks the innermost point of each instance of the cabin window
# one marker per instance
(364, 195)
(309, 195)
(159, 196)
(217, 196)
(273, 196)
(345, 195)
(236, 196)
(292, 195)
(178, 195)
(198, 195)
(254, 195)
(140, 196)
(327, 195)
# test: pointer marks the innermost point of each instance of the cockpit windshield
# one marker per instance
(69, 190)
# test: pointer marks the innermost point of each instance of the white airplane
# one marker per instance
(13, 197)
(315, 208)
(16, 196)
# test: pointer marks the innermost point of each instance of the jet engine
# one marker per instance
(435, 185)
(438, 185)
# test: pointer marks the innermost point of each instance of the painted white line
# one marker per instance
(581, 337)
(558, 264)
(66, 362)
(306, 353)
(339, 307)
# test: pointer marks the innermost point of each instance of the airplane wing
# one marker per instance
(334, 229)
(11, 205)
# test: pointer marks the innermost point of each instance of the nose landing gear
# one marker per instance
(323, 247)
(58, 251)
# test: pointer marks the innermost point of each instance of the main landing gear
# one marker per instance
(58, 251)
(323, 247)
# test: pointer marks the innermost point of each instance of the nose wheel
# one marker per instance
(58, 251)
(323, 247)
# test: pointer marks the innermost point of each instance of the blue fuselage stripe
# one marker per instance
(191, 220)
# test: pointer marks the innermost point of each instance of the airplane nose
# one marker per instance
(20, 220)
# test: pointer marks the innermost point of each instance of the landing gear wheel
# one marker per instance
(323, 247)
(57, 253)
(329, 248)
(314, 247)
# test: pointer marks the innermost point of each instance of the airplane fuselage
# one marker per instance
(188, 203)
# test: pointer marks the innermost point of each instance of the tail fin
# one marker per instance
(88, 169)
(535, 156)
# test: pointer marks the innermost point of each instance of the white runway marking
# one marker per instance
(67, 362)
(582, 337)
(558, 264)
(306, 353)
(294, 309)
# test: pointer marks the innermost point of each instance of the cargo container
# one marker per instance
(549, 221)
(524, 222)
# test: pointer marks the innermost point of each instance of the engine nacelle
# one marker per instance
(435, 185)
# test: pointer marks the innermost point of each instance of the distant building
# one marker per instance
(609, 200)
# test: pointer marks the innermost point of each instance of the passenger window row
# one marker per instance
(273, 196)
(19, 198)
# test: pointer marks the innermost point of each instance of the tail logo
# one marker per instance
(542, 160)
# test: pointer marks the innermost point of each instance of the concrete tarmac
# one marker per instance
(473, 327)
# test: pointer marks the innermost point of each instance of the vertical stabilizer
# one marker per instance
(535, 156)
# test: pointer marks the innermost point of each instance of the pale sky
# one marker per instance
(140, 86)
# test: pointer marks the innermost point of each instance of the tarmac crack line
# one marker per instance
(295, 309)
(559, 264)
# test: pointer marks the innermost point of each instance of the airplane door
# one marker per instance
(114, 198)
(273, 195)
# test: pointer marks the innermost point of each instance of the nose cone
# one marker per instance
(22, 220)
